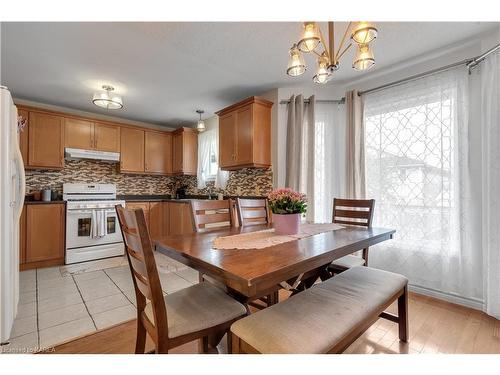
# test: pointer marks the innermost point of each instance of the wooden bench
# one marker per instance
(326, 318)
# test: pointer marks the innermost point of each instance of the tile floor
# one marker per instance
(61, 303)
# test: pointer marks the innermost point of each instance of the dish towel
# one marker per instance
(98, 224)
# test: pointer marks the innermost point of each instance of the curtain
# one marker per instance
(355, 145)
(490, 137)
(299, 151)
(208, 146)
(417, 169)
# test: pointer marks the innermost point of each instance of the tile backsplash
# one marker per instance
(243, 182)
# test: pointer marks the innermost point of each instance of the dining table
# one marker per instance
(251, 273)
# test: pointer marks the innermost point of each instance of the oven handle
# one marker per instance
(89, 211)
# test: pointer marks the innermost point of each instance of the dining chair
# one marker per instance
(211, 214)
(193, 313)
(252, 211)
(357, 212)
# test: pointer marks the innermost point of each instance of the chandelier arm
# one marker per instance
(343, 40)
(342, 53)
(325, 46)
(316, 53)
(331, 41)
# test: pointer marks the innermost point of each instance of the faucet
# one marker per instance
(209, 190)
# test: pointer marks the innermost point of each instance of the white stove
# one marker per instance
(92, 228)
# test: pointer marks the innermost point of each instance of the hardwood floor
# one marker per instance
(435, 327)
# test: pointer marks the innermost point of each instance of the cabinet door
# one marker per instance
(45, 140)
(22, 236)
(44, 232)
(78, 134)
(177, 147)
(180, 221)
(132, 150)
(244, 136)
(143, 205)
(155, 219)
(23, 135)
(190, 153)
(158, 153)
(227, 139)
(106, 137)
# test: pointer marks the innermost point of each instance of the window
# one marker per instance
(207, 156)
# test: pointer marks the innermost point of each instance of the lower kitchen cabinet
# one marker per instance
(158, 219)
(42, 230)
(143, 205)
(180, 218)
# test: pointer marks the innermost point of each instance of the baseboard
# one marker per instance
(475, 304)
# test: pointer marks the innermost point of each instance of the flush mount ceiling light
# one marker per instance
(328, 57)
(106, 99)
(201, 124)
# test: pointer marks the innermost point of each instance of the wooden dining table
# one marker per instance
(253, 273)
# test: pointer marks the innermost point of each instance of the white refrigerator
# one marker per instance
(12, 190)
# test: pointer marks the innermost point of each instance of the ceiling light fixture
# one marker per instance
(106, 99)
(201, 124)
(328, 57)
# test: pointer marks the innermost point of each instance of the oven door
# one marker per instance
(79, 224)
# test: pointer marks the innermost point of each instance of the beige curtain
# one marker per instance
(356, 185)
(300, 149)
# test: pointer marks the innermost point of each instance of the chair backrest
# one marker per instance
(252, 211)
(209, 214)
(143, 266)
(353, 211)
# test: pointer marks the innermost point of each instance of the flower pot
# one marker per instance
(286, 224)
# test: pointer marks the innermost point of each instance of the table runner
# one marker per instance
(266, 238)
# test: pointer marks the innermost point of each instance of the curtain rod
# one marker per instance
(341, 101)
(469, 63)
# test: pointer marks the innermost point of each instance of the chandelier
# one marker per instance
(328, 57)
(106, 99)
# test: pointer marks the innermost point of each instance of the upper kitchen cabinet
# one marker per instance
(185, 151)
(245, 134)
(87, 135)
(132, 150)
(158, 153)
(45, 141)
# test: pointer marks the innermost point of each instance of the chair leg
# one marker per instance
(365, 256)
(203, 345)
(161, 348)
(235, 340)
(229, 337)
(140, 340)
(403, 315)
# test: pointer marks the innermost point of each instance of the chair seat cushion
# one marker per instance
(196, 308)
(315, 320)
(349, 261)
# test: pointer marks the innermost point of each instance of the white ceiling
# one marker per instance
(165, 71)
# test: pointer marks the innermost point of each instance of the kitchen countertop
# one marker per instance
(44, 202)
(168, 198)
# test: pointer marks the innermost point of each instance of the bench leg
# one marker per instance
(235, 343)
(403, 315)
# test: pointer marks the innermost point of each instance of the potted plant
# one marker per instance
(287, 205)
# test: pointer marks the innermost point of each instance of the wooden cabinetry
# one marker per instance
(245, 134)
(180, 218)
(158, 153)
(42, 235)
(185, 151)
(143, 205)
(45, 141)
(132, 150)
(88, 135)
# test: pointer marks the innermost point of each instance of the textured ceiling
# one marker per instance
(165, 71)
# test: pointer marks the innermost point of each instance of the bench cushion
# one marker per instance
(315, 320)
(197, 307)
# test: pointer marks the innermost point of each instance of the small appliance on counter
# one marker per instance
(46, 195)
(180, 192)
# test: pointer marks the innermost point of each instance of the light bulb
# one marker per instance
(296, 63)
(364, 58)
(322, 74)
(364, 33)
(310, 37)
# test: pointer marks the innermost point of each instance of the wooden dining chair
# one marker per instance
(357, 212)
(211, 214)
(196, 312)
(252, 211)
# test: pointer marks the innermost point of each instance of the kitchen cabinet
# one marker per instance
(45, 141)
(245, 134)
(143, 205)
(23, 135)
(42, 230)
(158, 153)
(180, 218)
(87, 135)
(185, 151)
(158, 219)
(132, 150)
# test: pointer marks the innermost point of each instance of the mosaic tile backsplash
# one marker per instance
(245, 182)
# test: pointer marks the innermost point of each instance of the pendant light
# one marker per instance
(364, 33)
(106, 99)
(310, 37)
(322, 74)
(364, 58)
(201, 124)
(296, 63)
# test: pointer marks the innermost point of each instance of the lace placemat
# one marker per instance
(266, 238)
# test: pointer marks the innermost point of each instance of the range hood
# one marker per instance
(76, 153)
